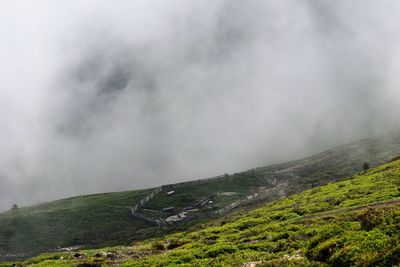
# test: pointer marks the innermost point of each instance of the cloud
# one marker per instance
(97, 96)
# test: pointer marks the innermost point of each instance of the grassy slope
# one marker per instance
(104, 219)
(352, 222)
(294, 176)
(100, 219)
(334, 164)
(242, 184)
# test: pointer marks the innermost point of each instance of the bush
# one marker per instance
(366, 166)
(323, 251)
(223, 248)
(370, 218)
(157, 246)
(174, 243)
(392, 258)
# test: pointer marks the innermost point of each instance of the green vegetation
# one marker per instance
(292, 177)
(334, 164)
(366, 166)
(241, 185)
(105, 220)
(354, 222)
(101, 219)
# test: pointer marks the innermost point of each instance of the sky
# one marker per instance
(99, 96)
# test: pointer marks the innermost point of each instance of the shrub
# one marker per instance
(392, 258)
(222, 248)
(174, 243)
(366, 166)
(370, 218)
(323, 251)
(157, 246)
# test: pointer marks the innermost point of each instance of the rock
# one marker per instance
(168, 209)
(82, 257)
(227, 194)
(100, 255)
(250, 264)
(77, 255)
(112, 256)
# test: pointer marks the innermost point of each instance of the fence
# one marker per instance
(147, 219)
(247, 200)
(240, 202)
(146, 199)
(196, 182)
(169, 187)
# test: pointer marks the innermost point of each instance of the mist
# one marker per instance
(99, 96)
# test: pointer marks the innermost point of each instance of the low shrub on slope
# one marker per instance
(352, 222)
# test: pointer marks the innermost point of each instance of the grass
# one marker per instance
(92, 220)
(242, 184)
(331, 165)
(354, 222)
(104, 219)
(336, 163)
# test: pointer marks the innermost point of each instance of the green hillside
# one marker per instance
(354, 222)
(277, 181)
(104, 219)
(87, 220)
(334, 164)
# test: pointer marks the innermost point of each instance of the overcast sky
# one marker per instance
(99, 96)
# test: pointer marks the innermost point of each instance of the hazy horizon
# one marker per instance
(99, 96)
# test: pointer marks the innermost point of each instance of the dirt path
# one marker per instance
(322, 214)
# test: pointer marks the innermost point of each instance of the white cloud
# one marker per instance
(101, 96)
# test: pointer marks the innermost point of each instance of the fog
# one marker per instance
(99, 96)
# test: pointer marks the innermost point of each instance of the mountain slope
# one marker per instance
(104, 219)
(100, 219)
(351, 222)
(336, 163)
(277, 181)
(354, 222)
